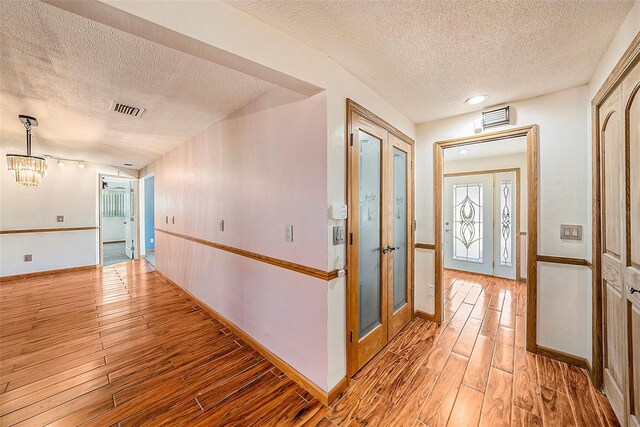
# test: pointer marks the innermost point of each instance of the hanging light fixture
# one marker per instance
(27, 170)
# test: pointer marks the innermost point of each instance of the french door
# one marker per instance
(619, 127)
(480, 223)
(380, 246)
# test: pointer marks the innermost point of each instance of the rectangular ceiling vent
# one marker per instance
(125, 109)
(495, 117)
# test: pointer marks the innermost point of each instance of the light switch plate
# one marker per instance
(289, 233)
(338, 234)
(60, 218)
(570, 232)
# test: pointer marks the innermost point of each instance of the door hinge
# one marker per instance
(411, 164)
(351, 337)
(351, 238)
(351, 139)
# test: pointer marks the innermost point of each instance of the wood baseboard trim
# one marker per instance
(291, 372)
(424, 315)
(564, 260)
(571, 359)
(292, 266)
(47, 230)
(47, 273)
(336, 392)
(429, 246)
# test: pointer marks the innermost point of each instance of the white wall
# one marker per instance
(232, 31)
(564, 177)
(68, 191)
(113, 229)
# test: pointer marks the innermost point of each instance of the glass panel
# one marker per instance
(399, 228)
(467, 222)
(505, 223)
(369, 221)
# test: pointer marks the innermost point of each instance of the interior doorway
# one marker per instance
(485, 201)
(118, 225)
(147, 223)
(381, 234)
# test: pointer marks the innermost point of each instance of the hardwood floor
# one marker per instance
(471, 370)
(121, 346)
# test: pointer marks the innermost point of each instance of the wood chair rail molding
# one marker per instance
(47, 230)
(624, 65)
(24, 276)
(531, 134)
(564, 260)
(292, 266)
(323, 396)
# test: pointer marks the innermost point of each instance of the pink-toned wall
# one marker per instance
(261, 168)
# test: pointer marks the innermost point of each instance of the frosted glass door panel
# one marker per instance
(399, 228)
(369, 230)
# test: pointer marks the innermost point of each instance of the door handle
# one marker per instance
(387, 249)
(633, 290)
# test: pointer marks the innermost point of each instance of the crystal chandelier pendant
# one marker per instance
(27, 170)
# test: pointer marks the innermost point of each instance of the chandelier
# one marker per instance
(27, 170)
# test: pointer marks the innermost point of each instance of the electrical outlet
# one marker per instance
(60, 218)
(28, 258)
(151, 240)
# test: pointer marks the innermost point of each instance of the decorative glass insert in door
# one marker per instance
(467, 222)
(369, 315)
(505, 194)
(399, 228)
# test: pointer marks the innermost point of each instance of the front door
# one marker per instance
(381, 238)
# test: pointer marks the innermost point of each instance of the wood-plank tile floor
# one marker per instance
(121, 346)
(471, 370)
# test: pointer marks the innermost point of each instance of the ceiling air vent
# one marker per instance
(495, 117)
(125, 109)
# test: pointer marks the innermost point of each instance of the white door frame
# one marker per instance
(136, 214)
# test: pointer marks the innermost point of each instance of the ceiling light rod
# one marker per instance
(28, 122)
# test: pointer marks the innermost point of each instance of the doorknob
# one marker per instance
(633, 290)
(389, 249)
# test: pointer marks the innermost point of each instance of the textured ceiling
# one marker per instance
(484, 150)
(65, 70)
(427, 57)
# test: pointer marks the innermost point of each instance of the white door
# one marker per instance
(505, 224)
(129, 219)
(468, 223)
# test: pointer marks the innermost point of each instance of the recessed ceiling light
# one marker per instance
(463, 151)
(476, 99)
(81, 165)
(60, 163)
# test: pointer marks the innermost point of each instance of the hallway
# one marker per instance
(120, 344)
(472, 370)
(106, 346)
